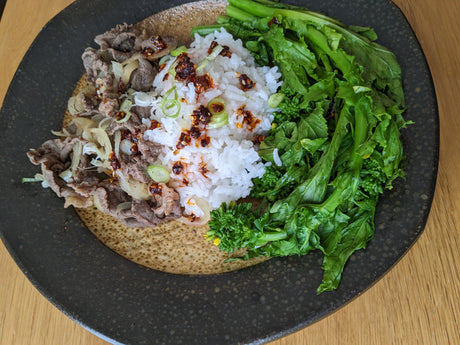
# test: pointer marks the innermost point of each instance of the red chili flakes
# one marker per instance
(148, 53)
(154, 124)
(158, 43)
(136, 135)
(121, 87)
(177, 167)
(127, 134)
(185, 69)
(245, 82)
(119, 115)
(203, 169)
(217, 107)
(225, 52)
(201, 115)
(185, 181)
(166, 77)
(114, 162)
(258, 139)
(203, 83)
(184, 140)
(192, 217)
(135, 149)
(273, 21)
(155, 188)
(248, 118)
(195, 132)
(205, 141)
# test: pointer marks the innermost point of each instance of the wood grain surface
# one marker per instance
(417, 302)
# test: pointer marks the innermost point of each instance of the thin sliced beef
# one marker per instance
(55, 157)
(109, 104)
(88, 185)
(88, 102)
(141, 112)
(119, 42)
(167, 202)
(137, 213)
(134, 125)
(136, 167)
(94, 65)
(149, 150)
(142, 77)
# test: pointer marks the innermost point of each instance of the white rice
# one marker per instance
(231, 157)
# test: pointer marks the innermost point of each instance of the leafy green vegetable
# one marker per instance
(337, 135)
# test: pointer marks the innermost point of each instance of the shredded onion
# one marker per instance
(134, 188)
(97, 203)
(116, 143)
(128, 69)
(204, 207)
(74, 105)
(117, 69)
(66, 175)
(83, 124)
(62, 133)
(125, 146)
(104, 123)
(100, 136)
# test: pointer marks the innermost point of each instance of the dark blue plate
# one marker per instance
(129, 304)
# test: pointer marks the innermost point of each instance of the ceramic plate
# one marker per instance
(129, 304)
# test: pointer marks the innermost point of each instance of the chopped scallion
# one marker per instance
(275, 99)
(218, 120)
(158, 173)
(125, 107)
(178, 51)
(215, 52)
(216, 105)
(170, 106)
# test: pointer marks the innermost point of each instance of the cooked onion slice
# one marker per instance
(204, 219)
(133, 188)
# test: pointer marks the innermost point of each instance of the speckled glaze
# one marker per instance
(128, 304)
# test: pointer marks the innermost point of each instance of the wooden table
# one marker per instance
(389, 312)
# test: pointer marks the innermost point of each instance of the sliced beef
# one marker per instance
(154, 47)
(134, 125)
(89, 103)
(109, 104)
(94, 65)
(102, 96)
(149, 150)
(142, 77)
(141, 112)
(110, 195)
(167, 202)
(119, 42)
(136, 167)
(55, 157)
(139, 213)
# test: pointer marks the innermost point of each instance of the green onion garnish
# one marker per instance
(125, 107)
(168, 105)
(158, 173)
(275, 99)
(218, 120)
(215, 52)
(216, 105)
(178, 51)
